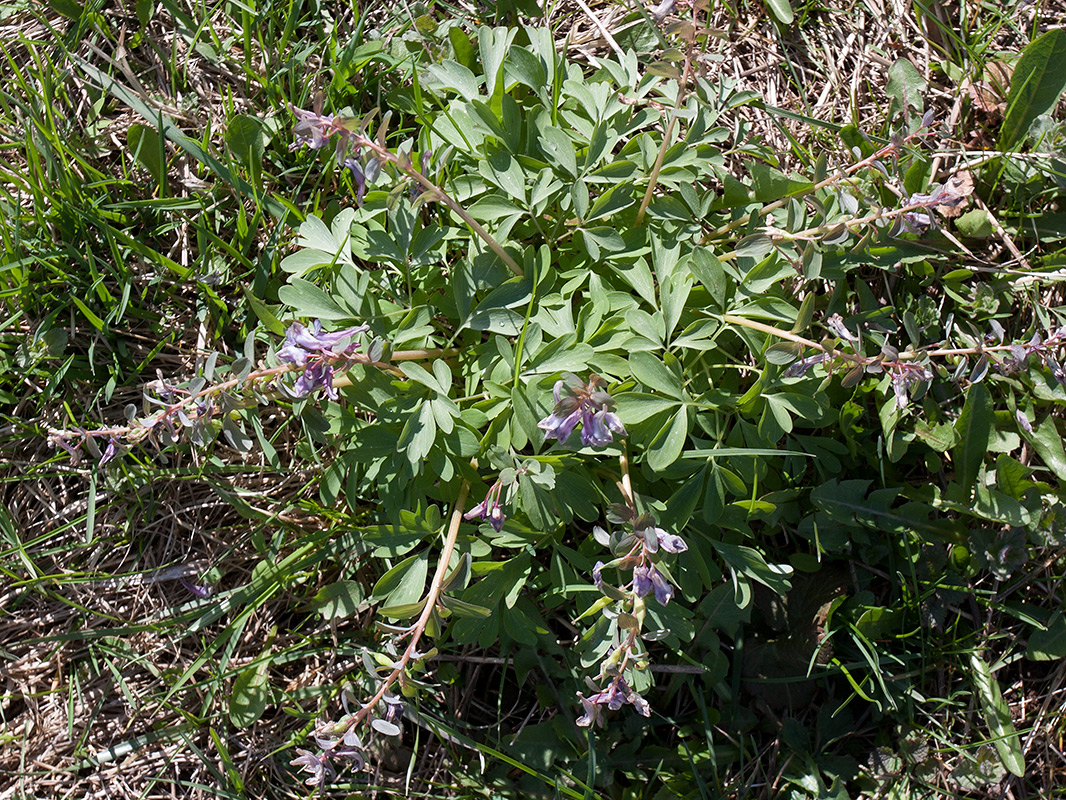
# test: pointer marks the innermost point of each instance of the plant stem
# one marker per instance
(682, 85)
(431, 603)
(441, 196)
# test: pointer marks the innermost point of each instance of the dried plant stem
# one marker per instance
(438, 194)
(847, 172)
(682, 85)
(909, 355)
(435, 588)
(257, 376)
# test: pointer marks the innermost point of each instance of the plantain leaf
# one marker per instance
(997, 715)
(1035, 87)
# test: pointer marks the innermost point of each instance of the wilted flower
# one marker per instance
(576, 401)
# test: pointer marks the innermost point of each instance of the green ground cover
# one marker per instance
(577, 400)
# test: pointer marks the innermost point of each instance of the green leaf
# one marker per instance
(997, 715)
(454, 76)
(750, 562)
(404, 583)
(339, 600)
(1047, 442)
(668, 443)
(307, 300)
(147, 147)
(1038, 81)
(249, 698)
(244, 138)
(906, 89)
(974, 427)
(781, 11)
(1049, 644)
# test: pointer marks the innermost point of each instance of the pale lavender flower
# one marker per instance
(317, 765)
(576, 401)
(312, 130)
(110, 451)
(614, 697)
(316, 376)
(301, 341)
(489, 508)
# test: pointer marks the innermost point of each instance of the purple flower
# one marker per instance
(316, 376)
(317, 765)
(110, 451)
(614, 697)
(577, 402)
(314, 130)
(300, 342)
(597, 575)
(593, 712)
(655, 537)
(489, 508)
(358, 178)
(647, 580)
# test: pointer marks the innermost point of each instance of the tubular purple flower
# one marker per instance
(312, 130)
(489, 508)
(576, 402)
(316, 376)
(642, 584)
(671, 542)
(663, 590)
(597, 574)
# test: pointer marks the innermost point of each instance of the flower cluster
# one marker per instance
(316, 351)
(616, 695)
(576, 401)
(637, 546)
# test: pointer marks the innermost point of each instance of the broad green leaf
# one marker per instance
(1047, 442)
(454, 76)
(654, 374)
(974, 427)
(997, 715)
(249, 698)
(905, 88)
(244, 138)
(781, 10)
(1050, 644)
(339, 600)
(147, 147)
(668, 443)
(1038, 81)
(405, 582)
